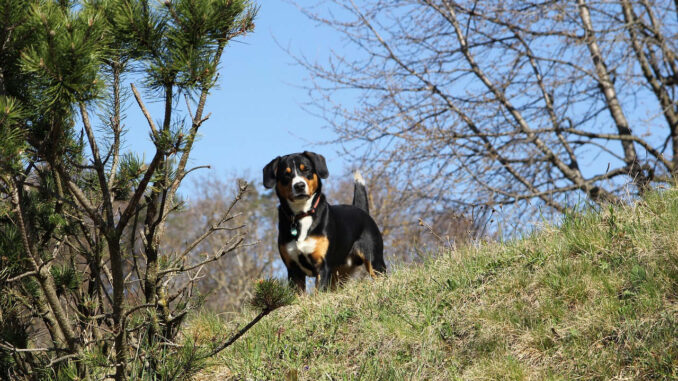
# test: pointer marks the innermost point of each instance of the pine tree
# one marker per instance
(81, 220)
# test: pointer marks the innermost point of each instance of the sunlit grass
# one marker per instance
(596, 298)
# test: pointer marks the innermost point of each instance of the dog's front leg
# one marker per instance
(324, 277)
(297, 279)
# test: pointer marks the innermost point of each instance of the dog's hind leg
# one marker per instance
(378, 266)
(370, 269)
(334, 282)
(373, 267)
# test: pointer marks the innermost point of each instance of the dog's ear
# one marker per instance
(319, 164)
(269, 173)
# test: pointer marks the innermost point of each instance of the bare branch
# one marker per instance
(151, 123)
(98, 166)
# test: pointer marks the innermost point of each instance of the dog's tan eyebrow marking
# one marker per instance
(288, 170)
(302, 167)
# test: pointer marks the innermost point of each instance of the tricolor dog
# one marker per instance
(315, 238)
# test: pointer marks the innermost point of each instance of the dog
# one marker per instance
(317, 239)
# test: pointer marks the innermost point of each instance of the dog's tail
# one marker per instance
(360, 192)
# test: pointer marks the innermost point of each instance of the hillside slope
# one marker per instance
(596, 298)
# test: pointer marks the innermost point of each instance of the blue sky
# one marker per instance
(256, 111)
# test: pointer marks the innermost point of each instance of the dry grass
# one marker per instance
(596, 298)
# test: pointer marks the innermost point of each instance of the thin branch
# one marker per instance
(220, 253)
(151, 124)
(238, 334)
(98, 165)
(141, 188)
(225, 218)
(21, 276)
(115, 124)
(11, 348)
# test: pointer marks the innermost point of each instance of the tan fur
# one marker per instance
(370, 270)
(312, 184)
(284, 255)
(368, 264)
(321, 245)
(285, 191)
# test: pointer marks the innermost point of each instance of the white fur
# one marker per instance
(298, 179)
(358, 177)
(302, 246)
(301, 206)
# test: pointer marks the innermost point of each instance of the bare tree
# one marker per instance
(410, 229)
(516, 103)
(227, 284)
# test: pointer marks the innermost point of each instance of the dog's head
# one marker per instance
(296, 176)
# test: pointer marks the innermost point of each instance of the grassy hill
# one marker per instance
(596, 298)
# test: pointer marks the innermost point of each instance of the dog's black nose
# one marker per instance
(299, 187)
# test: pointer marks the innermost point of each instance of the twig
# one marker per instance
(430, 229)
(62, 358)
(226, 217)
(144, 110)
(217, 256)
(98, 165)
(136, 308)
(9, 347)
(21, 276)
(237, 335)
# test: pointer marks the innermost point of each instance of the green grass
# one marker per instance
(596, 298)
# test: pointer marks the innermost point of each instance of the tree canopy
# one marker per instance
(533, 106)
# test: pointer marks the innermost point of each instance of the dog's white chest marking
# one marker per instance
(303, 245)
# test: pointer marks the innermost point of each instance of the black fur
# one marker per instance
(360, 197)
(318, 163)
(352, 235)
(269, 173)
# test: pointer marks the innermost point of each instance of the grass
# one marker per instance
(595, 298)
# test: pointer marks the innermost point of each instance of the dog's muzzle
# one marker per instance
(299, 190)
